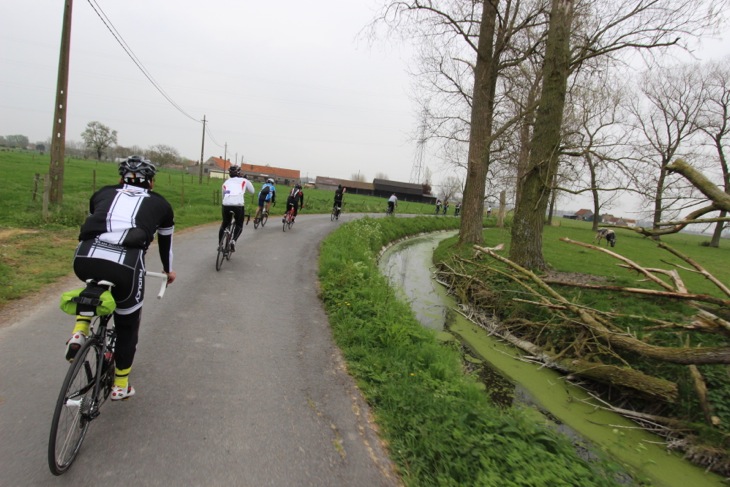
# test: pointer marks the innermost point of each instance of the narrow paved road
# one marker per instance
(238, 381)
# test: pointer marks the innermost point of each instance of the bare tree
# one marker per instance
(163, 155)
(594, 142)
(527, 227)
(98, 137)
(666, 115)
(714, 122)
(358, 176)
(451, 188)
(469, 44)
(602, 29)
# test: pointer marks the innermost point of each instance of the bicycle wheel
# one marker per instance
(229, 240)
(71, 416)
(286, 218)
(221, 250)
(256, 222)
(264, 219)
(333, 215)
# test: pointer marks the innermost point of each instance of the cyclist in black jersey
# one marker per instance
(122, 223)
(339, 194)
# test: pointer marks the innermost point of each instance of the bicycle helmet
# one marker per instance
(270, 181)
(234, 171)
(298, 186)
(136, 170)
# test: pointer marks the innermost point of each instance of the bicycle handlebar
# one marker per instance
(159, 275)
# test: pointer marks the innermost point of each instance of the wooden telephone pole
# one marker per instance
(58, 137)
(202, 149)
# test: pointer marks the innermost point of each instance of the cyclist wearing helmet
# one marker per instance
(267, 195)
(122, 222)
(295, 199)
(234, 190)
(339, 193)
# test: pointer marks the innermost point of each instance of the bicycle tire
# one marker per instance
(256, 222)
(264, 219)
(333, 215)
(70, 417)
(229, 239)
(221, 251)
(286, 217)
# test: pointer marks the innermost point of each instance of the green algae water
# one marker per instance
(408, 265)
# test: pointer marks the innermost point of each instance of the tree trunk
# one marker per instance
(526, 248)
(482, 112)
(594, 193)
(719, 227)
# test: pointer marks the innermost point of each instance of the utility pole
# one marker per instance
(58, 137)
(202, 148)
(225, 151)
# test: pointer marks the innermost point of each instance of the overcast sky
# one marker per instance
(285, 83)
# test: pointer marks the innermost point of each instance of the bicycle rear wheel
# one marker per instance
(333, 215)
(71, 416)
(264, 219)
(256, 222)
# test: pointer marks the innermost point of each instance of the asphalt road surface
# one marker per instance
(238, 381)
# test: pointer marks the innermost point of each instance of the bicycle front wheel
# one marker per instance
(72, 417)
(264, 219)
(333, 215)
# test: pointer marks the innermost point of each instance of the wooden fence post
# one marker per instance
(46, 195)
(36, 180)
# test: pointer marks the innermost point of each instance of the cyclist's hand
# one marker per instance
(171, 277)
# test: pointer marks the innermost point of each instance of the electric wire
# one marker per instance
(128, 50)
(120, 40)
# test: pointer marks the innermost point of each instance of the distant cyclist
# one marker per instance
(392, 203)
(122, 223)
(234, 189)
(267, 195)
(339, 193)
(295, 200)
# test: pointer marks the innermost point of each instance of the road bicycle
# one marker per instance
(390, 210)
(336, 210)
(88, 382)
(261, 220)
(288, 220)
(226, 245)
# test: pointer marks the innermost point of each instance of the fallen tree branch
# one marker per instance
(629, 262)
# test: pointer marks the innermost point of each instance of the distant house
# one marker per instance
(217, 167)
(404, 191)
(583, 214)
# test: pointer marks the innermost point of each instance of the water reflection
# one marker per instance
(409, 268)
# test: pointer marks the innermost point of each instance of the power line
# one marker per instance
(108, 23)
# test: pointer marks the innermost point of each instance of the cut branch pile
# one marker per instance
(595, 347)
